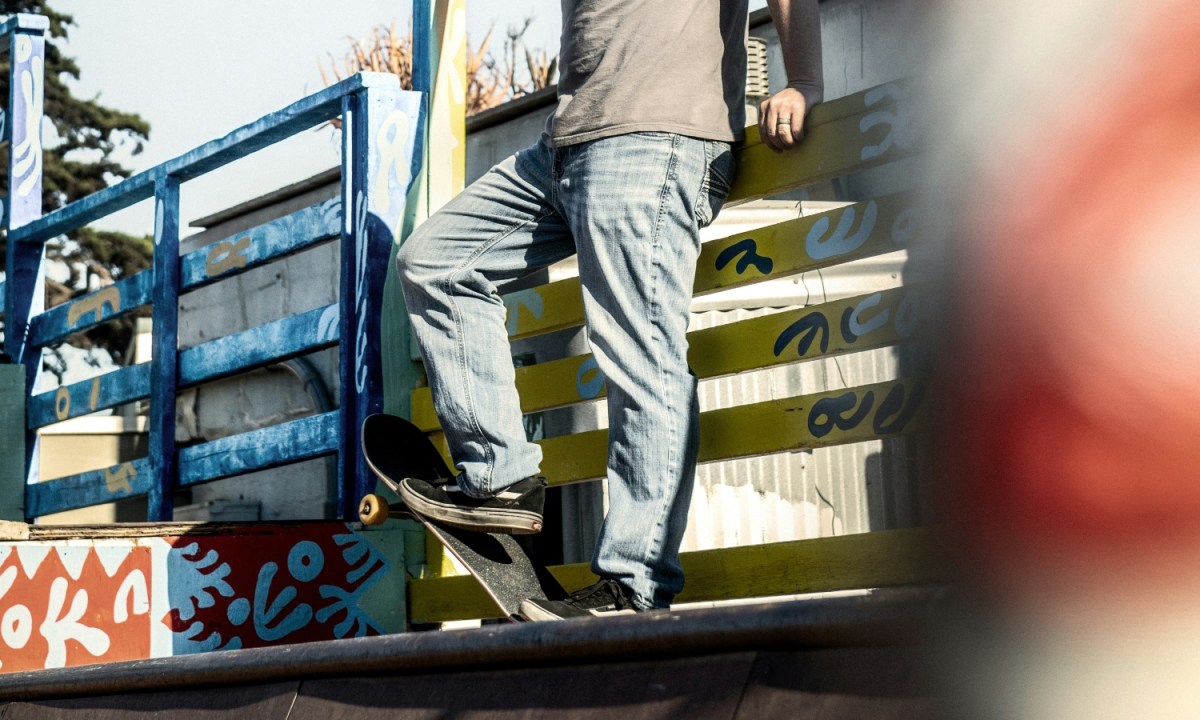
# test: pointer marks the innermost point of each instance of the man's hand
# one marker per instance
(781, 119)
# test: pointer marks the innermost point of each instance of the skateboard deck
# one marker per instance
(395, 449)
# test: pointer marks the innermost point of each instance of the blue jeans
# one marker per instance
(631, 207)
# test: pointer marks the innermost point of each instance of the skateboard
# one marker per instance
(395, 449)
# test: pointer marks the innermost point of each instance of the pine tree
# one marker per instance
(75, 164)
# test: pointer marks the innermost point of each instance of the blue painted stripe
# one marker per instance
(270, 447)
(269, 129)
(262, 244)
(92, 309)
(94, 487)
(265, 344)
(104, 391)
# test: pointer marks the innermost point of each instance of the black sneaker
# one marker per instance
(607, 597)
(516, 510)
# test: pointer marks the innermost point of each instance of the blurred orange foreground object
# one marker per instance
(1073, 382)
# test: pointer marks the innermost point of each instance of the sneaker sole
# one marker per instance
(536, 613)
(490, 520)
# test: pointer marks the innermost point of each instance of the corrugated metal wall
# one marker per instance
(804, 494)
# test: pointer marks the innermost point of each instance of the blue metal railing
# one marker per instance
(381, 156)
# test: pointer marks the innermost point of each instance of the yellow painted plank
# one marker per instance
(447, 146)
(861, 230)
(884, 558)
(837, 417)
(865, 229)
(843, 136)
(854, 324)
(544, 309)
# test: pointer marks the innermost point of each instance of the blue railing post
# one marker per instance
(380, 131)
(164, 377)
(23, 286)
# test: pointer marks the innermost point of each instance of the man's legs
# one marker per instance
(500, 228)
(635, 204)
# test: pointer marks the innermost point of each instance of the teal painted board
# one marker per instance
(266, 344)
(87, 396)
(259, 245)
(92, 309)
(269, 447)
(94, 487)
(12, 442)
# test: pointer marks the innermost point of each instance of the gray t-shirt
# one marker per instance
(674, 66)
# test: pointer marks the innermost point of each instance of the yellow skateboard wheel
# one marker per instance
(373, 510)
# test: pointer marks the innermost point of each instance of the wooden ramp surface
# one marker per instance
(858, 667)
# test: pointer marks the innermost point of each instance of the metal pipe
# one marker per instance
(318, 390)
(884, 618)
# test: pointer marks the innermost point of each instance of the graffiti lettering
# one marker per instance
(839, 412)
(59, 627)
(110, 296)
(808, 328)
(853, 325)
(589, 381)
(268, 610)
(17, 624)
(392, 140)
(900, 132)
(133, 597)
(849, 410)
(27, 137)
(748, 250)
(327, 325)
(841, 241)
(530, 300)
(64, 606)
(62, 403)
(116, 479)
(897, 409)
(227, 255)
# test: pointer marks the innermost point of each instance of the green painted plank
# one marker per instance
(884, 558)
(12, 442)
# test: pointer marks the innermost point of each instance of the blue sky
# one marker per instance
(196, 70)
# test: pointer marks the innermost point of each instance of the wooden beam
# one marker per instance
(884, 558)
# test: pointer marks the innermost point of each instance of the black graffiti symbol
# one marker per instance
(847, 333)
(750, 248)
(808, 328)
(828, 413)
(897, 410)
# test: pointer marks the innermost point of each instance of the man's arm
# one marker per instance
(781, 116)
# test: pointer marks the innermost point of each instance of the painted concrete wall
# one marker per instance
(68, 602)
